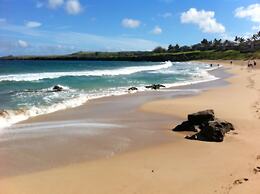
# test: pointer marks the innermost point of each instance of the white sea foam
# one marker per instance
(108, 72)
(10, 117)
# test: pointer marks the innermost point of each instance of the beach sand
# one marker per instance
(171, 164)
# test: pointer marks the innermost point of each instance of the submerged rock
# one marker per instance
(57, 88)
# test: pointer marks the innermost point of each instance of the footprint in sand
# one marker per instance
(251, 85)
(256, 169)
(256, 107)
(240, 181)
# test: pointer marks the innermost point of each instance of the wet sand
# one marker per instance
(152, 159)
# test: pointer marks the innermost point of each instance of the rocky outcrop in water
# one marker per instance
(57, 88)
(208, 127)
(155, 86)
(132, 89)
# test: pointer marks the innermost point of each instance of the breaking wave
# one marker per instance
(107, 72)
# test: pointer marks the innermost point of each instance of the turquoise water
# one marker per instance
(26, 86)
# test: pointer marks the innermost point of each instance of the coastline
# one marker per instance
(172, 158)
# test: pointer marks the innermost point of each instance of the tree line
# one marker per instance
(242, 44)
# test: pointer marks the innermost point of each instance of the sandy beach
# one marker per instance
(159, 161)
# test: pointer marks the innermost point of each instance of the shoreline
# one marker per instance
(155, 168)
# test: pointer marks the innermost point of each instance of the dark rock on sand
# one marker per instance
(215, 130)
(155, 86)
(200, 117)
(210, 129)
(57, 88)
(185, 126)
(132, 89)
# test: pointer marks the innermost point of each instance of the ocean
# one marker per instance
(26, 87)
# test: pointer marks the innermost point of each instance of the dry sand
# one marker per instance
(182, 167)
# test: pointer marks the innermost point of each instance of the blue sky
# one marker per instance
(40, 27)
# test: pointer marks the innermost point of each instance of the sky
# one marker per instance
(44, 27)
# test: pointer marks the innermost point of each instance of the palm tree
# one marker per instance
(254, 37)
(242, 40)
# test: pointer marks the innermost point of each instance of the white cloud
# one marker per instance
(157, 30)
(32, 24)
(130, 23)
(252, 12)
(166, 15)
(256, 27)
(204, 19)
(55, 3)
(73, 7)
(22, 43)
(5, 26)
(39, 4)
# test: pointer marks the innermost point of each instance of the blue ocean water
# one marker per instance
(26, 86)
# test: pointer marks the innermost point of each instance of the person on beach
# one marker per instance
(254, 63)
(249, 64)
(231, 62)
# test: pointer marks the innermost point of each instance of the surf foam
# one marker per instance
(108, 72)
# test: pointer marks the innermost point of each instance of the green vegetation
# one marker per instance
(240, 48)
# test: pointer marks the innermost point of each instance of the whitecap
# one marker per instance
(108, 72)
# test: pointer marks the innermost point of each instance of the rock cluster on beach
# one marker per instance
(206, 126)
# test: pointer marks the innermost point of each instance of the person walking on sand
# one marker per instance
(249, 64)
(254, 63)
